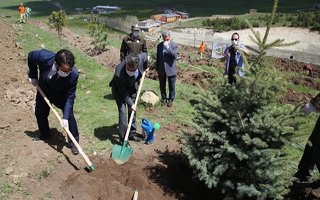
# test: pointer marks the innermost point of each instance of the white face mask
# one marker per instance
(63, 74)
(130, 73)
(234, 42)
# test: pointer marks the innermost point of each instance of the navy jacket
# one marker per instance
(124, 86)
(59, 90)
(166, 59)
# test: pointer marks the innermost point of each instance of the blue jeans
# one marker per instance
(172, 85)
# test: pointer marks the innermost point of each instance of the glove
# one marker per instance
(309, 108)
(33, 81)
(133, 107)
(166, 44)
(64, 123)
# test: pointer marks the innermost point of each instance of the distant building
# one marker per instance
(183, 15)
(149, 24)
(105, 9)
(253, 11)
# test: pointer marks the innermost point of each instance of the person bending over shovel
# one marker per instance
(124, 85)
(57, 77)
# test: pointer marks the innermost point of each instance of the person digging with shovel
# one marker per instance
(57, 77)
(124, 85)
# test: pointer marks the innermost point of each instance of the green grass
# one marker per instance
(5, 190)
(144, 9)
(96, 113)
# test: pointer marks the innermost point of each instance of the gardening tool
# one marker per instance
(91, 166)
(135, 195)
(121, 154)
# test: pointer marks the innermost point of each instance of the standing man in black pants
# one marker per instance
(234, 59)
(166, 66)
(311, 154)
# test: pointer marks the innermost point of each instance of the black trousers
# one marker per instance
(172, 87)
(311, 154)
(42, 112)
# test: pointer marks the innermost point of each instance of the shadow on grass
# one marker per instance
(108, 133)
(57, 142)
(108, 96)
(176, 178)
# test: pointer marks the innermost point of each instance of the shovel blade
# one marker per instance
(121, 153)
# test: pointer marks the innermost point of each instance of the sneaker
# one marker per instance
(169, 103)
(135, 138)
(163, 102)
(74, 150)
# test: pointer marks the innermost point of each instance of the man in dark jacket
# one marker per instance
(166, 67)
(133, 43)
(125, 84)
(310, 157)
(57, 77)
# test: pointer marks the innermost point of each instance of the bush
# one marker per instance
(255, 24)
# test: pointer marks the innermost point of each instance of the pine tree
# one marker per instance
(241, 129)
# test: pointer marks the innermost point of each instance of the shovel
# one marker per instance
(91, 166)
(121, 154)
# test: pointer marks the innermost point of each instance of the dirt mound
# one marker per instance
(306, 81)
(107, 183)
(294, 97)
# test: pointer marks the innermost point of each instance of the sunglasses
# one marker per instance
(234, 39)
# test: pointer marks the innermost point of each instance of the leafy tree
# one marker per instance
(100, 39)
(57, 20)
(240, 130)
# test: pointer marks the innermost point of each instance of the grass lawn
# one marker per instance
(144, 9)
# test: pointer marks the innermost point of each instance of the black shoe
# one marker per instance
(74, 150)
(135, 138)
(302, 178)
(42, 137)
(163, 102)
(169, 103)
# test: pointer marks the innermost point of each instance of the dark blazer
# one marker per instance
(166, 59)
(59, 90)
(125, 87)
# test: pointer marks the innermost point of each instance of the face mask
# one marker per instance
(62, 73)
(130, 73)
(135, 34)
(234, 42)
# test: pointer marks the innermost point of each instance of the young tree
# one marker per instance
(57, 20)
(240, 130)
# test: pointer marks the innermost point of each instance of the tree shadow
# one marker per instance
(108, 133)
(176, 179)
(193, 102)
(57, 142)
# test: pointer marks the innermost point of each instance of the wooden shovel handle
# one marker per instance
(135, 103)
(85, 157)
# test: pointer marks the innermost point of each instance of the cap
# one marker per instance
(135, 27)
(165, 34)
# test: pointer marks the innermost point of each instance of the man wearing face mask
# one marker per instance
(57, 77)
(125, 84)
(233, 57)
(133, 43)
(166, 66)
